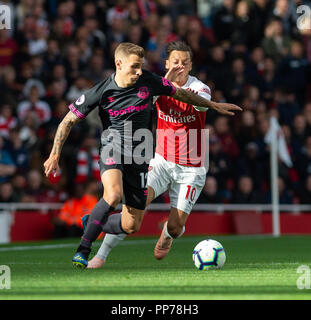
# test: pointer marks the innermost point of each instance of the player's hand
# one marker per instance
(174, 72)
(51, 166)
(226, 108)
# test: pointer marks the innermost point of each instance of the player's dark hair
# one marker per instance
(129, 48)
(178, 46)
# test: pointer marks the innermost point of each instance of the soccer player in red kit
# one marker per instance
(179, 161)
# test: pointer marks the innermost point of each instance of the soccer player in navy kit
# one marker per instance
(126, 96)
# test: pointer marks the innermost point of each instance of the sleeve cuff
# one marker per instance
(76, 111)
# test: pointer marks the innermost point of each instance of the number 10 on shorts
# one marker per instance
(191, 192)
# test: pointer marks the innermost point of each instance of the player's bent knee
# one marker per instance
(113, 198)
(131, 229)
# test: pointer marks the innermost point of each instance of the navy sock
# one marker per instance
(98, 217)
(113, 224)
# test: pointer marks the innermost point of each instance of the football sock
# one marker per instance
(98, 217)
(110, 241)
(167, 235)
(113, 224)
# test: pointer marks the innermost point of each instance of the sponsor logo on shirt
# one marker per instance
(174, 119)
(115, 113)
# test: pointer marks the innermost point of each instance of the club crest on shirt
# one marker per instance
(143, 93)
(80, 100)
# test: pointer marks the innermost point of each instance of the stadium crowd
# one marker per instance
(250, 53)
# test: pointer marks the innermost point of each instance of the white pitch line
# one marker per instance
(132, 242)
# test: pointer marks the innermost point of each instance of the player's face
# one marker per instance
(131, 69)
(179, 58)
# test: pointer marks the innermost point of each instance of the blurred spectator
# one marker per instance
(218, 67)
(68, 223)
(206, 10)
(307, 113)
(276, 43)
(198, 43)
(78, 87)
(7, 165)
(32, 82)
(146, 8)
(59, 76)
(38, 44)
(223, 22)
(228, 142)
(89, 10)
(87, 161)
(219, 165)
(10, 88)
(19, 186)
(242, 25)
(237, 82)
(305, 193)
(35, 190)
(181, 27)
(133, 12)
(135, 35)
(56, 92)
(300, 129)
(35, 106)
(259, 15)
(247, 129)
(293, 71)
(286, 105)
(117, 30)
(7, 120)
(245, 192)
(6, 192)
(95, 70)
(269, 81)
(119, 11)
(8, 48)
(73, 63)
(210, 193)
(294, 146)
(303, 163)
(250, 164)
(28, 131)
(155, 51)
(52, 56)
(285, 195)
(255, 65)
(285, 10)
(19, 153)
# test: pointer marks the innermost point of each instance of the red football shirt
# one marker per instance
(180, 130)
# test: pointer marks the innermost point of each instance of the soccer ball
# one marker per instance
(209, 254)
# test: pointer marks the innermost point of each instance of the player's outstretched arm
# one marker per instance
(196, 100)
(63, 130)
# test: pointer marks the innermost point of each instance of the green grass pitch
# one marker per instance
(257, 267)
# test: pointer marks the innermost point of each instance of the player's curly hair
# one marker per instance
(178, 46)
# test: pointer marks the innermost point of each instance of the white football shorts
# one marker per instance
(184, 183)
